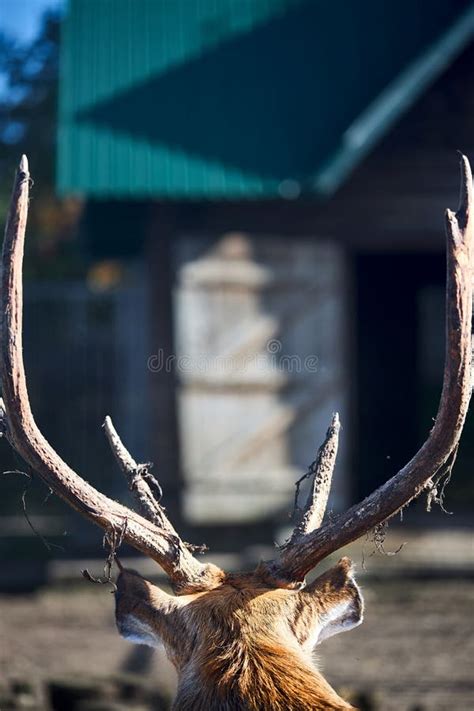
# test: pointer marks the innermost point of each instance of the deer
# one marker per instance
(243, 640)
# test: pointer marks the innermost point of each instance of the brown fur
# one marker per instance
(243, 646)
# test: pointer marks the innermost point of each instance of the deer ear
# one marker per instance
(142, 610)
(338, 600)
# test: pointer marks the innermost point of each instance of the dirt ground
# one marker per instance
(414, 652)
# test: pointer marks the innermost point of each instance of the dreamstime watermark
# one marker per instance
(271, 358)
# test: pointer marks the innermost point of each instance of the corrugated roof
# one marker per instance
(229, 98)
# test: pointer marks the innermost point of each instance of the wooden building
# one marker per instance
(276, 170)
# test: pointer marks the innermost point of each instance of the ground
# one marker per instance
(413, 652)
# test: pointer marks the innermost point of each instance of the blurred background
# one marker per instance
(235, 230)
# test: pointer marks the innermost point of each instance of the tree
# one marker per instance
(28, 124)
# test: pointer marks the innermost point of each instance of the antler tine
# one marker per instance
(311, 516)
(301, 555)
(162, 544)
(141, 482)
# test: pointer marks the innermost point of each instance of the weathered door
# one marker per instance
(261, 357)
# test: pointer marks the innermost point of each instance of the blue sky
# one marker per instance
(21, 18)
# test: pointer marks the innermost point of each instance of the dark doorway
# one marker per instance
(400, 327)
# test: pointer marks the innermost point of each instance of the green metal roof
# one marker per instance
(239, 98)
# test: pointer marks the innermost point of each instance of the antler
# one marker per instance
(311, 541)
(311, 517)
(160, 542)
(306, 548)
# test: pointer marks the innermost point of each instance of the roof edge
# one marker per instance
(395, 100)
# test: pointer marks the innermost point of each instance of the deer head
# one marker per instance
(243, 640)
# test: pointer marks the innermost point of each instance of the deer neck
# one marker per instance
(254, 677)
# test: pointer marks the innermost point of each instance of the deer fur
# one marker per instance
(244, 645)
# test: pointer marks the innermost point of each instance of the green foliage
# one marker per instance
(28, 119)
